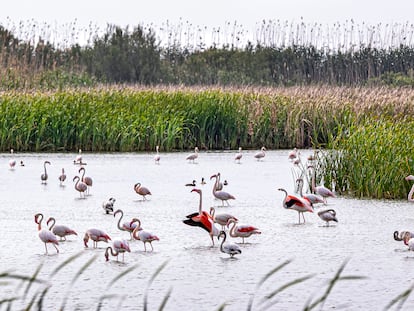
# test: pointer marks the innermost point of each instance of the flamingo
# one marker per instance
(118, 246)
(192, 184)
(193, 156)
(80, 186)
(228, 248)
(144, 236)
(62, 177)
(238, 155)
(12, 161)
(157, 157)
(261, 154)
(328, 215)
(221, 195)
(141, 190)
(45, 235)
(401, 236)
(241, 230)
(86, 179)
(78, 159)
(128, 225)
(410, 194)
(60, 230)
(298, 204)
(96, 235)
(312, 198)
(44, 176)
(321, 190)
(108, 206)
(293, 154)
(221, 218)
(409, 241)
(202, 219)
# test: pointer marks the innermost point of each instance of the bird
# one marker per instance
(261, 154)
(328, 215)
(60, 230)
(80, 186)
(108, 206)
(62, 177)
(298, 204)
(238, 155)
(401, 236)
(241, 230)
(293, 154)
(320, 190)
(221, 218)
(409, 241)
(44, 176)
(144, 236)
(96, 235)
(228, 248)
(311, 197)
(410, 194)
(157, 157)
(202, 218)
(221, 195)
(192, 184)
(78, 159)
(192, 156)
(128, 226)
(12, 161)
(141, 190)
(118, 246)
(21, 163)
(86, 179)
(45, 236)
(203, 182)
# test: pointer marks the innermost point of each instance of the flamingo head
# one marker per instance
(107, 253)
(134, 220)
(86, 239)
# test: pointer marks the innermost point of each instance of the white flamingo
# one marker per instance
(12, 161)
(238, 155)
(157, 157)
(45, 236)
(241, 230)
(60, 230)
(141, 190)
(221, 195)
(228, 248)
(261, 154)
(192, 156)
(321, 190)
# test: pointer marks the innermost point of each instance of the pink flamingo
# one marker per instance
(45, 235)
(78, 159)
(228, 248)
(141, 190)
(80, 186)
(312, 198)
(241, 230)
(62, 177)
(44, 176)
(157, 157)
(12, 162)
(328, 215)
(193, 156)
(321, 190)
(221, 195)
(128, 226)
(401, 236)
(60, 230)
(221, 218)
(298, 204)
(118, 247)
(96, 236)
(293, 154)
(144, 236)
(86, 179)
(409, 241)
(202, 219)
(410, 194)
(261, 154)
(238, 155)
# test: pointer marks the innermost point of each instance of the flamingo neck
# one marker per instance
(410, 194)
(232, 229)
(53, 221)
(222, 242)
(200, 204)
(119, 220)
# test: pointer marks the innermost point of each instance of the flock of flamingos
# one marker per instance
(217, 225)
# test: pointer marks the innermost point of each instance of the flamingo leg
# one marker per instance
(46, 249)
(57, 250)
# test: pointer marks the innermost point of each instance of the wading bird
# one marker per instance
(261, 154)
(221, 195)
(238, 155)
(45, 236)
(192, 156)
(221, 218)
(320, 190)
(157, 157)
(128, 226)
(60, 230)
(328, 215)
(80, 186)
(142, 191)
(44, 176)
(12, 161)
(144, 236)
(96, 235)
(228, 248)
(410, 194)
(62, 177)
(86, 179)
(118, 247)
(298, 204)
(241, 230)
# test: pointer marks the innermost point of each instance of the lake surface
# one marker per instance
(199, 276)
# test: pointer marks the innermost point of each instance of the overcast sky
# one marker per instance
(211, 13)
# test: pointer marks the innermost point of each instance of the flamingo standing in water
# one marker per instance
(60, 230)
(298, 204)
(228, 248)
(293, 154)
(141, 190)
(410, 194)
(78, 159)
(409, 241)
(401, 236)
(221, 218)
(202, 219)
(44, 176)
(86, 179)
(144, 236)
(241, 230)
(328, 215)
(312, 198)
(238, 155)
(62, 177)
(221, 195)
(128, 226)
(96, 235)
(321, 190)
(193, 156)
(157, 157)
(80, 186)
(118, 247)
(12, 161)
(45, 236)
(261, 154)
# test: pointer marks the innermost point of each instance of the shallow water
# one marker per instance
(199, 276)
